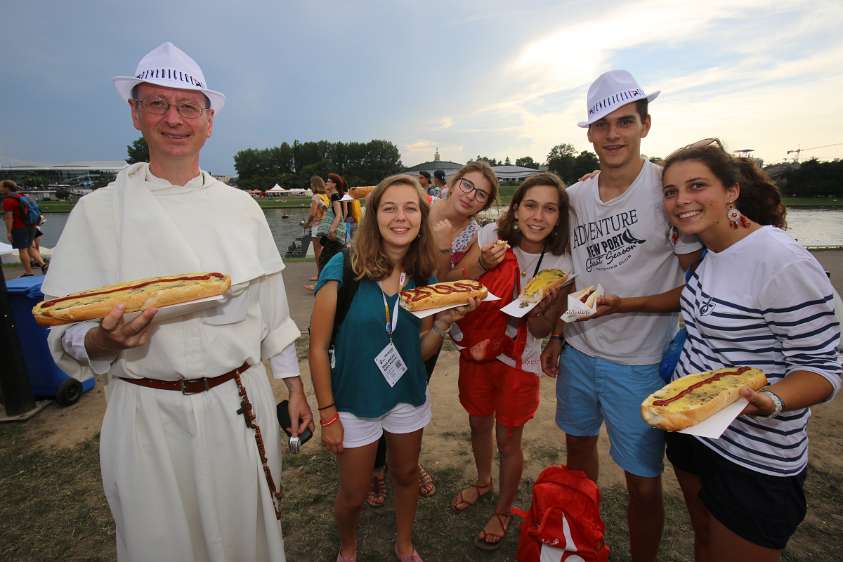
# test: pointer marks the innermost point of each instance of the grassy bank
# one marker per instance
(504, 197)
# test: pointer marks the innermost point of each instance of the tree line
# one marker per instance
(292, 165)
(813, 178)
(368, 163)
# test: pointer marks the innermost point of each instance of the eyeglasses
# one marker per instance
(467, 186)
(160, 106)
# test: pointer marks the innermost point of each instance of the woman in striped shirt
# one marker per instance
(757, 299)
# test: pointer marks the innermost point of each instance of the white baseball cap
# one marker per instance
(610, 91)
(167, 65)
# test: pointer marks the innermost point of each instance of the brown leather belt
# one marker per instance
(189, 386)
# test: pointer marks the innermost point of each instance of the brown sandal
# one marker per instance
(426, 486)
(483, 543)
(460, 503)
(377, 489)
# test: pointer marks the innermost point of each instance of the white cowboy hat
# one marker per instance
(167, 65)
(610, 91)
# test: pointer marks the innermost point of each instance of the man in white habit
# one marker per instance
(185, 476)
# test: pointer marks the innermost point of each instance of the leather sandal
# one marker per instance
(460, 503)
(377, 489)
(483, 543)
(426, 486)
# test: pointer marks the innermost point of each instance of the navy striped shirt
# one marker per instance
(764, 302)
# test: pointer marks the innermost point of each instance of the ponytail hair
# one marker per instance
(760, 199)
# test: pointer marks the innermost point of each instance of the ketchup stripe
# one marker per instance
(47, 304)
(696, 385)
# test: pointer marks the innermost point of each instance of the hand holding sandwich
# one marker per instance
(492, 255)
(115, 333)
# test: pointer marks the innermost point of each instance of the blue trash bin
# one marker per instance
(45, 377)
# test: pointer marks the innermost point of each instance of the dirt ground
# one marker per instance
(446, 452)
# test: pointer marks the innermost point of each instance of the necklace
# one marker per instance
(536, 260)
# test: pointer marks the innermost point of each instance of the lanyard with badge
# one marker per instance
(389, 360)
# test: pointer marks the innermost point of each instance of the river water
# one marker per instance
(814, 228)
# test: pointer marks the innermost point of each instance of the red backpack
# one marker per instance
(564, 523)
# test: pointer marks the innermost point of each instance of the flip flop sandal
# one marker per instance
(483, 543)
(460, 499)
(377, 490)
(426, 486)
(412, 557)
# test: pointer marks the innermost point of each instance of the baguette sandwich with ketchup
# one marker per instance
(135, 295)
(442, 294)
(696, 397)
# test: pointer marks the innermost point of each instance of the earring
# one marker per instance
(736, 218)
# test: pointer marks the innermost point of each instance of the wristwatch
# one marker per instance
(778, 403)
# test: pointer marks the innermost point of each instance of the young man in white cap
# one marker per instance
(621, 240)
(190, 445)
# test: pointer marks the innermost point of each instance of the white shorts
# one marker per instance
(313, 233)
(403, 418)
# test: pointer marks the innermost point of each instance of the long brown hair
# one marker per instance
(759, 200)
(483, 167)
(368, 258)
(558, 242)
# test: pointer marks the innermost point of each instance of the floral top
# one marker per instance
(462, 242)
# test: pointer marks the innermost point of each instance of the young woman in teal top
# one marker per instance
(376, 383)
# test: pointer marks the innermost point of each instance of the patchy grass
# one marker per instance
(53, 508)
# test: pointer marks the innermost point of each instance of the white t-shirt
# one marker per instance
(625, 246)
(763, 302)
(531, 358)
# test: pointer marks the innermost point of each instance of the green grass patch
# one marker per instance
(53, 508)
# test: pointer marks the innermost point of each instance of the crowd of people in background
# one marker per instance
(190, 446)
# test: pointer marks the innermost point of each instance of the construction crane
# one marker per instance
(798, 151)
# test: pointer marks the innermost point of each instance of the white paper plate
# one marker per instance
(714, 426)
(176, 310)
(515, 309)
(432, 311)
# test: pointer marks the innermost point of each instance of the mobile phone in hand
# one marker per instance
(283, 411)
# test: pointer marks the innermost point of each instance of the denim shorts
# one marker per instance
(591, 389)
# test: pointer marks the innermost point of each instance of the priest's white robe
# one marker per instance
(182, 474)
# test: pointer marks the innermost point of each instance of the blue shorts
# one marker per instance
(22, 237)
(590, 389)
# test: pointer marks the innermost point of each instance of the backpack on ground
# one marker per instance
(563, 524)
(28, 209)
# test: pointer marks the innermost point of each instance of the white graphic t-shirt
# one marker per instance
(625, 245)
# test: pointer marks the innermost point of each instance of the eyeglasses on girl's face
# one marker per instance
(467, 186)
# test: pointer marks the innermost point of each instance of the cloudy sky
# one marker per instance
(493, 78)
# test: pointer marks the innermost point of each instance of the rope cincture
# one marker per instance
(249, 417)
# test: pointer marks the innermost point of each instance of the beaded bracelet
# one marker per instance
(324, 423)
